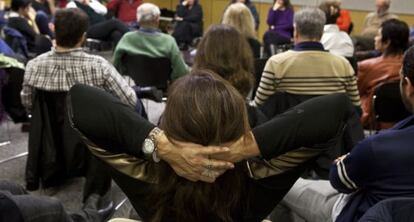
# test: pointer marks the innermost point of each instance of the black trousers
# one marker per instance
(110, 30)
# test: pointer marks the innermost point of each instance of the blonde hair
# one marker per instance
(240, 17)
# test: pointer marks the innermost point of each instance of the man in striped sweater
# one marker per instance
(378, 168)
(307, 69)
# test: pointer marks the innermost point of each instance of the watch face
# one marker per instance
(148, 146)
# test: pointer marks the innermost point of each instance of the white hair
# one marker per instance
(147, 12)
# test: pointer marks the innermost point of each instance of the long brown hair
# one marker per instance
(205, 109)
(225, 51)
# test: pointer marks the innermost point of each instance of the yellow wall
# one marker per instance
(213, 10)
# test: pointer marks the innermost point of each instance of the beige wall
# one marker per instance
(213, 10)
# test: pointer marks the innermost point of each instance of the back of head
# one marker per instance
(331, 10)
(202, 108)
(408, 64)
(240, 17)
(397, 33)
(18, 4)
(225, 51)
(148, 13)
(309, 23)
(70, 26)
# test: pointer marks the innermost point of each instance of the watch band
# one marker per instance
(154, 132)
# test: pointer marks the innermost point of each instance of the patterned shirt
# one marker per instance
(59, 71)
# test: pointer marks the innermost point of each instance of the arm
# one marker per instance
(98, 7)
(179, 68)
(271, 17)
(115, 84)
(256, 17)
(351, 86)
(354, 170)
(268, 83)
(288, 23)
(121, 135)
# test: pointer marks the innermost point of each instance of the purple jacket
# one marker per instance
(281, 21)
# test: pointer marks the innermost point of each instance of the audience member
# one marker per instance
(125, 10)
(239, 16)
(110, 30)
(189, 18)
(372, 23)
(45, 10)
(18, 205)
(233, 61)
(150, 41)
(391, 41)
(68, 64)
(252, 9)
(46, 6)
(334, 40)
(344, 20)
(378, 168)
(246, 193)
(280, 22)
(307, 69)
(23, 18)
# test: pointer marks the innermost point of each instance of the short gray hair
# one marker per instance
(147, 12)
(309, 23)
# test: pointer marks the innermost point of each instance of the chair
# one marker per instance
(98, 45)
(388, 106)
(147, 71)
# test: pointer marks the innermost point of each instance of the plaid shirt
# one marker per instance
(59, 71)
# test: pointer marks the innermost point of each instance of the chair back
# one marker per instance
(388, 105)
(397, 209)
(147, 71)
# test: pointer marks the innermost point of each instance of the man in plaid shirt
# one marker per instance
(67, 64)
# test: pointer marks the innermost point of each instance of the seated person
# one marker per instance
(344, 20)
(280, 22)
(239, 16)
(23, 18)
(189, 18)
(378, 168)
(45, 10)
(252, 9)
(100, 28)
(391, 41)
(17, 205)
(125, 10)
(372, 22)
(307, 69)
(247, 192)
(335, 41)
(150, 41)
(238, 66)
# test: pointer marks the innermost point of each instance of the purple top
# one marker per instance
(281, 21)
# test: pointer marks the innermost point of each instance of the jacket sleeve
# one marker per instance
(354, 171)
(310, 124)
(106, 121)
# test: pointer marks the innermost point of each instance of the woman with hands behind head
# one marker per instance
(204, 134)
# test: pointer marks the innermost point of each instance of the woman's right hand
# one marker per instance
(277, 6)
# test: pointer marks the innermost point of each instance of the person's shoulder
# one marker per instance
(370, 62)
(42, 58)
(282, 57)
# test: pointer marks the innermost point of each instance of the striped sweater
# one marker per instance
(310, 72)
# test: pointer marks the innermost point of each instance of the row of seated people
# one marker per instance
(202, 61)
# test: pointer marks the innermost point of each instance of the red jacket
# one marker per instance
(125, 10)
(344, 20)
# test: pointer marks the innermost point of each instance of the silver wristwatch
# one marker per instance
(149, 147)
